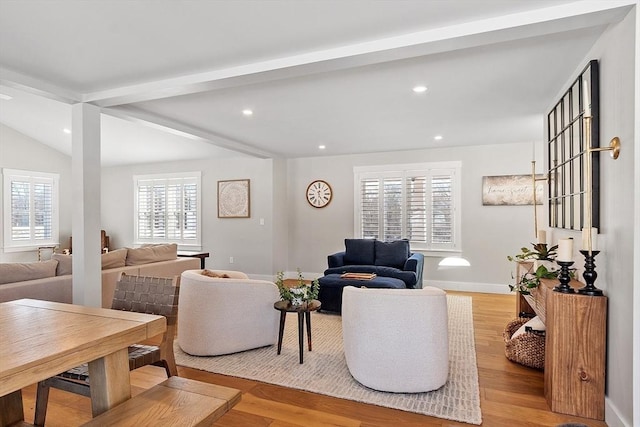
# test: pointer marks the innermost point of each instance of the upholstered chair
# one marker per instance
(396, 340)
(222, 315)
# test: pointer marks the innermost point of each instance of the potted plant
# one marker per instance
(531, 279)
(539, 252)
(300, 293)
(543, 267)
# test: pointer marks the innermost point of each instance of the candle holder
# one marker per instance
(564, 277)
(590, 274)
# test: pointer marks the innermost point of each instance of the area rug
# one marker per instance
(325, 370)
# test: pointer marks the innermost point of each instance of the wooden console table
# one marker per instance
(194, 254)
(575, 348)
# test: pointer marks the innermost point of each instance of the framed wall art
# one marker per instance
(234, 199)
(510, 190)
(572, 129)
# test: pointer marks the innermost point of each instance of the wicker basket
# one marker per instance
(526, 349)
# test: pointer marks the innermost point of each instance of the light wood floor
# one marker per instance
(511, 395)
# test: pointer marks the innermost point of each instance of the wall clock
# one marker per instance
(319, 193)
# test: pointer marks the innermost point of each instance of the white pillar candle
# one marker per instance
(542, 236)
(585, 239)
(565, 250)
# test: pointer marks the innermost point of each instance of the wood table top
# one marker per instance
(41, 338)
(312, 305)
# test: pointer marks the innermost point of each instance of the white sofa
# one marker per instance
(52, 280)
(225, 315)
(396, 340)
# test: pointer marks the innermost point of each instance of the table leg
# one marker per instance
(308, 315)
(110, 383)
(301, 334)
(283, 317)
(11, 409)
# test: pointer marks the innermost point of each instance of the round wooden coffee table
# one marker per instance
(303, 310)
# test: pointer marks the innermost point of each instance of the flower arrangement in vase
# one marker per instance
(299, 294)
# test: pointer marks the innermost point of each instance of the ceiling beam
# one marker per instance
(516, 26)
(174, 127)
(38, 87)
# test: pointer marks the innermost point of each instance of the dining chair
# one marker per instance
(142, 294)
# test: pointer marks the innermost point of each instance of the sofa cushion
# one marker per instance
(392, 254)
(11, 272)
(65, 264)
(155, 253)
(114, 259)
(359, 251)
(408, 277)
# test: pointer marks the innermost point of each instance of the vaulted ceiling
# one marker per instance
(174, 77)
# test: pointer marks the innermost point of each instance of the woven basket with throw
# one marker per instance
(526, 348)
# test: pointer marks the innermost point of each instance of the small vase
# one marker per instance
(296, 301)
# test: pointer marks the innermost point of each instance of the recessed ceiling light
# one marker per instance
(437, 137)
(321, 147)
(247, 112)
(5, 97)
(420, 89)
(66, 130)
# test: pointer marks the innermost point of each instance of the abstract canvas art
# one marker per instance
(233, 199)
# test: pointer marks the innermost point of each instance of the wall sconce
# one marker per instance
(590, 273)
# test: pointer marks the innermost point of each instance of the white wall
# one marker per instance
(244, 239)
(489, 233)
(18, 151)
(614, 265)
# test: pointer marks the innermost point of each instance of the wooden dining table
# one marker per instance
(40, 339)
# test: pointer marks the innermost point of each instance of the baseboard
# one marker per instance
(488, 288)
(612, 416)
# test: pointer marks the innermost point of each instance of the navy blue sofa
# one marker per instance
(386, 259)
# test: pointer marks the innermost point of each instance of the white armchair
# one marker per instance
(396, 340)
(225, 315)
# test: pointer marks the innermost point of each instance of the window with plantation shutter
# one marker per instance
(31, 209)
(418, 202)
(168, 209)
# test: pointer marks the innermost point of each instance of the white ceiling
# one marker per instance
(174, 76)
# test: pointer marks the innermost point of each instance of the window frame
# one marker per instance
(403, 171)
(183, 244)
(8, 177)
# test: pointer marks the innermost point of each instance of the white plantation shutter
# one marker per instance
(392, 209)
(31, 206)
(442, 209)
(168, 209)
(370, 207)
(414, 202)
(190, 211)
(144, 211)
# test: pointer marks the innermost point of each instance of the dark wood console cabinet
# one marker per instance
(575, 348)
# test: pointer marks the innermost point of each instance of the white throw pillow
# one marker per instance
(535, 323)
